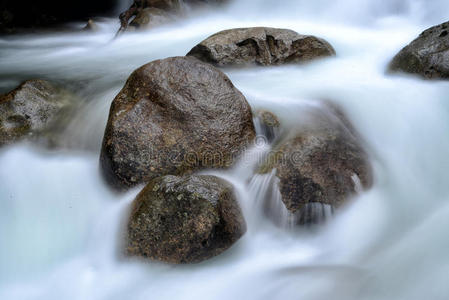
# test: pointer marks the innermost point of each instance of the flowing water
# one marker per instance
(60, 225)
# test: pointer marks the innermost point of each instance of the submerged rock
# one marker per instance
(184, 219)
(260, 45)
(91, 26)
(267, 124)
(320, 166)
(150, 17)
(174, 116)
(427, 55)
(31, 110)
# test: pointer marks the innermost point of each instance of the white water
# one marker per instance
(59, 224)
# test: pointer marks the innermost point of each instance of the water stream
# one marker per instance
(60, 225)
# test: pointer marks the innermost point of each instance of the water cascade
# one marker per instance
(61, 226)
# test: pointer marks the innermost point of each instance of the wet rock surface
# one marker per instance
(261, 46)
(320, 166)
(426, 56)
(32, 110)
(174, 116)
(184, 219)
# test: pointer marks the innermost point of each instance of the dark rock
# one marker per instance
(260, 45)
(150, 17)
(31, 110)
(184, 219)
(321, 165)
(426, 56)
(174, 116)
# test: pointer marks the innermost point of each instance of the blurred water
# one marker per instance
(60, 225)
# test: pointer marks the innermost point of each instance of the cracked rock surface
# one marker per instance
(260, 45)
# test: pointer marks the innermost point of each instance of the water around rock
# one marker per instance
(319, 166)
(267, 125)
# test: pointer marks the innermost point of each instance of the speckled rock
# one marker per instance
(322, 163)
(426, 56)
(260, 45)
(184, 219)
(174, 116)
(31, 109)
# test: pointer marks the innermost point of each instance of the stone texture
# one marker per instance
(31, 109)
(184, 219)
(426, 56)
(260, 45)
(174, 116)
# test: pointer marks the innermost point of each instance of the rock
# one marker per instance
(260, 45)
(174, 116)
(91, 26)
(320, 166)
(184, 219)
(31, 110)
(162, 11)
(150, 17)
(267, 124)
(426, 56)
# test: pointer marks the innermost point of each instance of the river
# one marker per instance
(60, 225)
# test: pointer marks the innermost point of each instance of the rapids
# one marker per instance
(61, 226)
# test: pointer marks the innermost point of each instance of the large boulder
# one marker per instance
(31, 110)
(184, 219)
(260, 45)
(426, 56)
(319, 166)
(174, 116)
